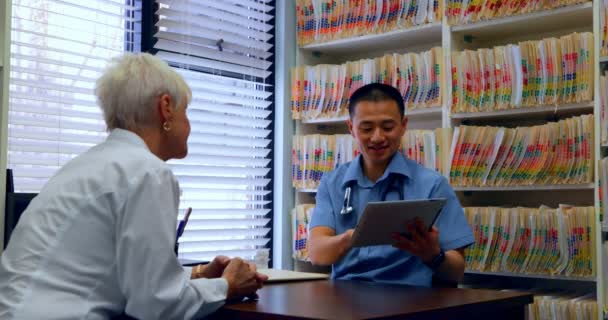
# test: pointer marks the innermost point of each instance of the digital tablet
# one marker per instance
(381, 219)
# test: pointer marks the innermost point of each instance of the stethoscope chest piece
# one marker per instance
(347, 206)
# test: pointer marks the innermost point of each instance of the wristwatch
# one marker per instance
(437, 260)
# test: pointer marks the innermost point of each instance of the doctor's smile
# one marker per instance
(378, 150)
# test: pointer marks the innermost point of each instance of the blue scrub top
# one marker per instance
(386, 263)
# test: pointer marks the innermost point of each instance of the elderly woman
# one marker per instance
(98, 240)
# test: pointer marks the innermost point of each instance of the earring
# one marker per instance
(167, 126)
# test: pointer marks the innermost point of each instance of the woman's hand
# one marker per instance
(243, 279)
(213, 269)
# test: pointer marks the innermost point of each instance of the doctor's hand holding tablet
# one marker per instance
(404, 224)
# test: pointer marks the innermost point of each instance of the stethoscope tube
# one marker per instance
(394, 186)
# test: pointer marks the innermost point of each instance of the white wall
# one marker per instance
(5, 41)
(283, 129)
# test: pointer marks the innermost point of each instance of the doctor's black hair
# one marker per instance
(375, 92)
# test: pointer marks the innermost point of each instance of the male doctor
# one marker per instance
(381, 172)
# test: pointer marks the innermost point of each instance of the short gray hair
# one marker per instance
(128, 89)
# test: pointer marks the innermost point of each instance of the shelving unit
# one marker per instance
(532, 276)
(502, 31)
(541, 22)
(599, 252)
(393, 40)
(589, 186)
(485, 34)
(424, 114)
(339, 120)
(545, 111)
(415, 39)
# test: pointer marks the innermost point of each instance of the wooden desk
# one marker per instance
(363, 300)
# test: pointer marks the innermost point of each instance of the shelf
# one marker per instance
(603, 59)
(564, 18)
(339, 120)
(416, 114)
(426, 113)
(534, 276)
(525, 111)
(396, 39)
(587, 186)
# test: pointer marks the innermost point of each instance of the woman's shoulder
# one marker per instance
(114, 163)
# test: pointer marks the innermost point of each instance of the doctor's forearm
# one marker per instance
(452, 268)
(327, 250)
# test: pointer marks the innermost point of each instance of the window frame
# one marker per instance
(131, 44)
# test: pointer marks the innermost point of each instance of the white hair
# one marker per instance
(128, 89)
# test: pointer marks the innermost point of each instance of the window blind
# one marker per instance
(58, 49)
(223, 48)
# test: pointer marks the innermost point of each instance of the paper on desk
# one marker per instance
(277, 275)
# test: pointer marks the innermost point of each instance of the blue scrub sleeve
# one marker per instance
(323, 214)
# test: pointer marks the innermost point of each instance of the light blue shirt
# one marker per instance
(386, 263)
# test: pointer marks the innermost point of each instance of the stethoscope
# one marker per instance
(394, 186)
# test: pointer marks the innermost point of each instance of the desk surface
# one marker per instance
(364, 300)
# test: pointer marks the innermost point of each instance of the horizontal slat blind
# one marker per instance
(58, 50)
(222, 48)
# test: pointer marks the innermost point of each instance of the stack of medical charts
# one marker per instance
(421, 146)
(532, 241)
(314, 155)
(427, 147)
(322, 91)
(325, 20)
(554, 153)
(551, 71)
(301, 216)
(468, 11)
(562, 304)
